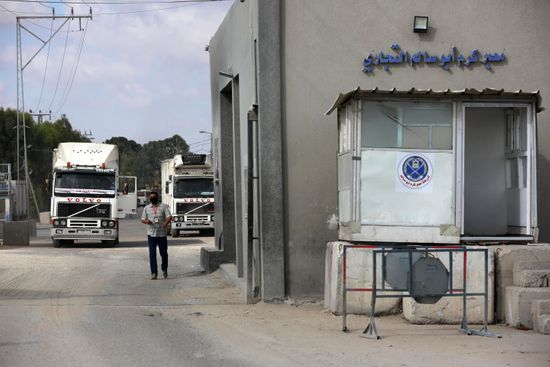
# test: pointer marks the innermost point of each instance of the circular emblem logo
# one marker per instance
(415, 171)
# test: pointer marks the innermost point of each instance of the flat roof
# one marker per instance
(486, 93)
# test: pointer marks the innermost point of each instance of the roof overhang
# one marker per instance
(468, 93)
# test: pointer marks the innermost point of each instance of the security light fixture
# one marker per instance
(420, 24)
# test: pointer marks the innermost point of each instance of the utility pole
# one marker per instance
(21, 126)
(39, 116)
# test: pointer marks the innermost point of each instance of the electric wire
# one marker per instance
(61, 67)
(75, 68)
(44, 5)
(143, 10)
(45, 68)
(122, 2)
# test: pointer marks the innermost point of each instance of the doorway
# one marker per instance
(496, 172)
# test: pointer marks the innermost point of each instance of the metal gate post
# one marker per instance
(370, 331)
(344, 293)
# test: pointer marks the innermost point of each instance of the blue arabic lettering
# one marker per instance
(445, 60)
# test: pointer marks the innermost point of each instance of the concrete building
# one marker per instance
(278, 65)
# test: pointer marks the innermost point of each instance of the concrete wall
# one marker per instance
(323, 45)
(247, 49)
(230, 52)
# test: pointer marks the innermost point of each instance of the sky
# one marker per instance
(144, 76)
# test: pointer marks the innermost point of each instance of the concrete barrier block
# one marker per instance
(541, 307)
(211, 259)
(44, 218)
(16, 233)
(448, 310)
(32, 227)
(519, 303)
(540, 311)
(532, 278)
(506, 256)
(359, 275)
(542, 324)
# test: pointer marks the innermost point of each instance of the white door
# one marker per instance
(126, 196)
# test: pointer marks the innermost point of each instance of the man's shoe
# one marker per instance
(165, 274)
(153, 276)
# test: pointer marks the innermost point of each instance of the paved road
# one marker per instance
(89, 305)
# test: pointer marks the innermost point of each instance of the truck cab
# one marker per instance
(189, 193)
(87, 200)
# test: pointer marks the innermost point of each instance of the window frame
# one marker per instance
(453, 126)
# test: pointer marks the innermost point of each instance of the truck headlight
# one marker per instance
(63, 223)
(56, 222)
(104, 223)
(111, 223)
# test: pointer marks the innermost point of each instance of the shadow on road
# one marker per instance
(176, 242)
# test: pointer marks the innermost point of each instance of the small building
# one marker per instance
(441, 84)
(437, 167)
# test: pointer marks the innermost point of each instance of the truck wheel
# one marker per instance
(175, 233)
(110, 243)
(206, 232)
(56, 243)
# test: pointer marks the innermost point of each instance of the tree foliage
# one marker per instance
(41, 140)
(141, 160)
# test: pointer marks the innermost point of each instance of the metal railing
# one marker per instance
(387, 292)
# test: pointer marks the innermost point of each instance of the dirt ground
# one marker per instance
(89, 305)
(307, 335)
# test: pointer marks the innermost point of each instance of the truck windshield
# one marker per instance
(85, 183)
(194, 188)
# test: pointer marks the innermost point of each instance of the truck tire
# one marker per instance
(175, 233)
(111, 243)
(206, 232)
(56, 243)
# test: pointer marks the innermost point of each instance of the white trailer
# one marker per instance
(88, 195)
(189, 192)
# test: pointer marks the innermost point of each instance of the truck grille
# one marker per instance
(100, 211)
(182, 208)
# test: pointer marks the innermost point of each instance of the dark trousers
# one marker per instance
(162, 243)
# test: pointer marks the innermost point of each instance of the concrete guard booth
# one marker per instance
(437, 167)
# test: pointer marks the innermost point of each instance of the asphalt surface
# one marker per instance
(90, 305)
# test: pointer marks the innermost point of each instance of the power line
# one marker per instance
(144, 10)
(75, 67)
(45, 68)
(61, 68)
(122, 2)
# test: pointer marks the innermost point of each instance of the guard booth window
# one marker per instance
(409, 125)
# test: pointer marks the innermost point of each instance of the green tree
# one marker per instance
(152, 154)
(128, 152)
(41, 140)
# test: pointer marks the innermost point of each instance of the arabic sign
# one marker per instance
(423, 57)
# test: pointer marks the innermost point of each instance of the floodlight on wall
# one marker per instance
(420, 24)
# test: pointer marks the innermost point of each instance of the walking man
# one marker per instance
(157, 217)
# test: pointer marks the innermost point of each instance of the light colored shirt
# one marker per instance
(157, 214)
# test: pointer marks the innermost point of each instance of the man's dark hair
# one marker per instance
(154, 192)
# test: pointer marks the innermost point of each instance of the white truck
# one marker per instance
(189, 192)
(88, 195)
